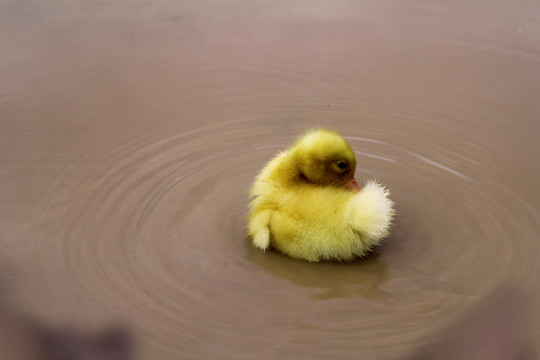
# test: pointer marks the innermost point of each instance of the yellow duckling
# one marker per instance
(308, 205)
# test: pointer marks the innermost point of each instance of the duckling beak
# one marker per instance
(353, 185)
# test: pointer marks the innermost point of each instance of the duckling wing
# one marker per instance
(370, 213)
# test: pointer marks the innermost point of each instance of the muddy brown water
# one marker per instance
(130, 132)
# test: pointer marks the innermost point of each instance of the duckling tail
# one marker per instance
(370, 213)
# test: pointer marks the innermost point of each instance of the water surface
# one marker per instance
(130, 132)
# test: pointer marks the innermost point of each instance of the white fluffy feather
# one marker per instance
(370, 213)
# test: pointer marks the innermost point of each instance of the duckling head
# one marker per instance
(323, 157)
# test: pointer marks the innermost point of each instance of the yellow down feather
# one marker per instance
(302, 206)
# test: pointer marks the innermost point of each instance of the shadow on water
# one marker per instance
(362, 278)
(23, 337)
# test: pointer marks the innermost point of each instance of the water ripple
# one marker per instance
(163, 236)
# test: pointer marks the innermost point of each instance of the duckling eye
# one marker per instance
(342, 164)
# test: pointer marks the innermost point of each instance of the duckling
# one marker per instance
(307, 204)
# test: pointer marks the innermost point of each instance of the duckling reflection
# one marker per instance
(364, 279)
